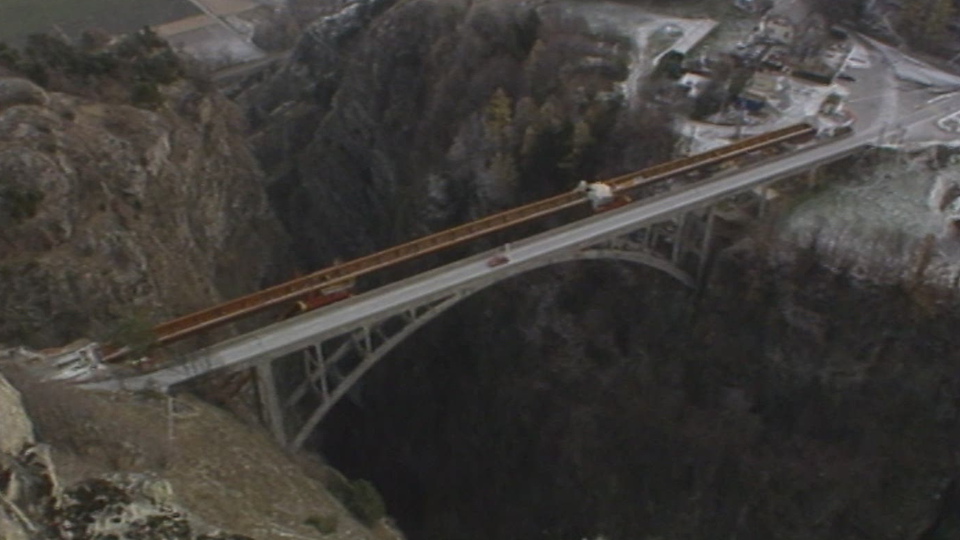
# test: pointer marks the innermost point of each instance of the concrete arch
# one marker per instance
(638, 257)
(435, 310)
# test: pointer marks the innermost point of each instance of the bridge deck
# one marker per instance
(341, 274)
(472, 274)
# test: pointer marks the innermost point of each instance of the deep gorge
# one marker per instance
(595, 399)
(781, 400)
(607, 400)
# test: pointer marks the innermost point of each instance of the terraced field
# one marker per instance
(19, 18)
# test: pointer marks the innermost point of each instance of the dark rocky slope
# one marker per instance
(395, 118)
(784, 402)
(590, 399)
(79, 465)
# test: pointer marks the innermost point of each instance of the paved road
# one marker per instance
(897, 84)
(473, 274)
(238, 71)
(875, 96)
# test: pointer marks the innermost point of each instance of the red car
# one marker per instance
(497, 260)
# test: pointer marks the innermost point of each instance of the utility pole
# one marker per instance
(741, 118)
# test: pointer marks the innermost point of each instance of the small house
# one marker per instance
(776, 29)
(776, 57)
(835, 56)
(760, 89)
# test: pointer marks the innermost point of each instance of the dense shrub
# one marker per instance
(8, 55)
(141, 61)
(366, 502)
(671, 65)
(360, 497)
(324, 524)
(162, 68)
(134, 331)
(146, 95)
(18, 203)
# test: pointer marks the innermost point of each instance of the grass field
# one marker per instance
(19, 18)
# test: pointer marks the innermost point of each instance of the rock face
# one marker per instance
(785, 401)
(17, 481)
(16, 438)
(15, 91)
(120, 466)
(111, 212)
(16, 431)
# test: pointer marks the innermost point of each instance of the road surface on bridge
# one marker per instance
(472, 274)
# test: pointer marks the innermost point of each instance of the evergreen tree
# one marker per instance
(582, 140)
(505, 177)
(941, 13)
(924, 22)
(498, 118)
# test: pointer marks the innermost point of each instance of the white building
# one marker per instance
(694, 83)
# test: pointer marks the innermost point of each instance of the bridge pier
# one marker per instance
(705, 244)
(676, 253)
(270, 402)
(679, 244)
(332, 367)
(327, 378)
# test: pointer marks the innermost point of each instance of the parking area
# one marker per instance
(950, 123)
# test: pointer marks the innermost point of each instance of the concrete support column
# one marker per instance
(653, 238)
(322, 370)
(270, 407)
(678, 239)
(705, 248)
(812, 178)
(645, 237)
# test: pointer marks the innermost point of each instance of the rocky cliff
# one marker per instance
(129, 194)
(784, 401)
(76, 465)
(111, 211)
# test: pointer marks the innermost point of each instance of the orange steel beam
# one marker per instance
(284, 292)
(710, 157)
(342, 274)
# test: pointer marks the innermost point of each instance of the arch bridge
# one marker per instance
(336, 345)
